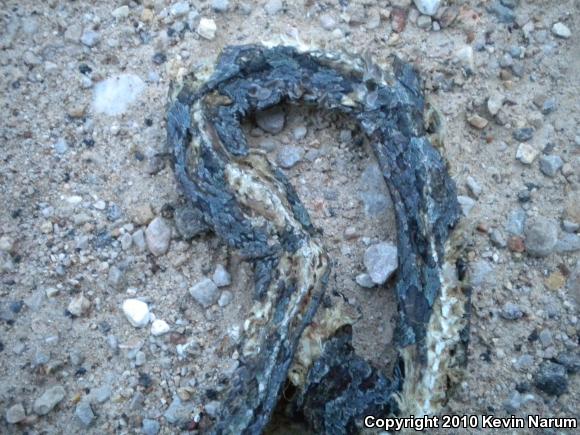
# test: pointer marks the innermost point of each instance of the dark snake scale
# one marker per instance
(250, 204)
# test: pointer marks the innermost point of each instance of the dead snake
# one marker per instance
(249, 203)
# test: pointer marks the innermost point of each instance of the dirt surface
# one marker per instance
(79, 189)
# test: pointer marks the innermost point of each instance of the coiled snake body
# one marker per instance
(250, 204)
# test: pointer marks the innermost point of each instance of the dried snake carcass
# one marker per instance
(250, 204)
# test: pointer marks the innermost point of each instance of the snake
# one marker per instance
(294, 334)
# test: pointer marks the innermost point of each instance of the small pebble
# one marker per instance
(523, 134)
(511, 311)
(541, 236)
(220, 5)
(289, 155)
(272, 7)
(158, 236)
(179, 9)
(225, 298)
(477, 121)
(207, 28)
(84, 413)
(137, 312)
(550, 165)
(381, 261)
(271, 120)
(48, 400)
(299, 133)
(428, 7)
(466, 204)
(221, 276)
(327, 22)
(205, 292)
(159, 327)
(150, 427)
(79, 305)
(15, 414)
(90, 38)
(526, 153)
(121, 12)
(561, 30)
(551, 378)
(365, 280)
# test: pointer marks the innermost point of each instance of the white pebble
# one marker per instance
(207, 28)
(159, 327)
(137, 312)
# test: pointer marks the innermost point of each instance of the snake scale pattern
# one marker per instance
(249, 203)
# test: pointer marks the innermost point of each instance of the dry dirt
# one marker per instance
(74, 184)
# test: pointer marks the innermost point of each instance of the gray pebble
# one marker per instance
(138, 238)
(114, 212)
(551, 378)
(550, 105)
(506, 61)
(327, 22)
(571, 361)
(523, 134)
(15, 414)
(424, 22)
(220, 5)
(221, 276)
(113, 343)
(541, 236)
(271, 120)
(545, 337)
(150, 427)
(140, 358)
(225, 298)
(35, 300)
(550, 165)
(84, 413)
(364, 280)
(373, 191)
(482, 274)
(205, 292)
(511, 311)
(568, 243)
(524, 362)
(289, 155)
(516, 222)
(76, 358)
(299, 132)
(101, 394)
(158, 236)
(504, 14)
(61, 146)
(49, 399)
(381, 261)
(569, 226)
(116, 277)
(466, 203)
(268, 145)
(497, 239)
(272, 7)
(179, 413)
(189, 221)
(473, 187)
(212, 408)
(90, 38)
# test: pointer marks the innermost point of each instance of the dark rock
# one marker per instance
(189, 221)
(551, 378)
(523, 134)
(504, 14)
(569, 360)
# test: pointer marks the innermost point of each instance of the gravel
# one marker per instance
(551, 378)
(550, 165)
(15, 414)
(179, 413)
(150, 427)
(48, 400)
(511, 311)
(136, 312)
(221, 276)
(289, 155)
(541, 236)
(158, 236)
(272, 7)
(271, 120)
(84, 413)
(523, 134)
(365, 280)
(526, 153)
(561, 30)
(159, 327)
(381, 261)
(428, 7)
(205, 292)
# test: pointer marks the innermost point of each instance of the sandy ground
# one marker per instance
(78, 188)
